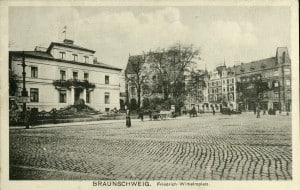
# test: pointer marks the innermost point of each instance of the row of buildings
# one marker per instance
(265, 83)
(63, 73)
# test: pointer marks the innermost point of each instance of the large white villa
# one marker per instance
(63, 73)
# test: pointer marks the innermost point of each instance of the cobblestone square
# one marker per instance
(220, 147)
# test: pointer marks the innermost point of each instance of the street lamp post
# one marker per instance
(24, 91)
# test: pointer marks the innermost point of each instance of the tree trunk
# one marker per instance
(139, 97)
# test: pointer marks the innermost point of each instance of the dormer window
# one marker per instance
(62, 55)
(75, 57)
(263, 66)
(86, 59)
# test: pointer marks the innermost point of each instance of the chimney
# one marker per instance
(67, 41)
(95, 60)
(39, 48)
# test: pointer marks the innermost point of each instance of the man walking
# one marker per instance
(258, 112)
(128, 120)
(27, 118)
(142, 115)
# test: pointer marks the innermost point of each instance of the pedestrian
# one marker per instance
(264, 113)
(142, 115)
(27, 118)
(150, 114)
(258, 112)
(213, 110)
(128, 120)
(54, 114)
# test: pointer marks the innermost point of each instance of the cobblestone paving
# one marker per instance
(236, 147)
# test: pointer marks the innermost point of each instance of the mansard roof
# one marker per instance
(255, 65)
(48, 56)
(68, 44)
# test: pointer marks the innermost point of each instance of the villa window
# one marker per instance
(75, 57)
(62, 96)
(86, 59)
(106, 79)
(62, 55)
(288, 82)
(34, 95)
(34, 72)
(106, 98)
(75, 75)
(86, 76)
(62, 75)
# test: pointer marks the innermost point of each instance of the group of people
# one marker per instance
(257, 111)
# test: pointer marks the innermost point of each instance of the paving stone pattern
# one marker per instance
(236, 147)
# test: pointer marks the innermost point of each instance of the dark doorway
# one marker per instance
(251, 106)
(77, 94)
(276, 106)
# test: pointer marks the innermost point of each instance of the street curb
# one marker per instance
(85, 123)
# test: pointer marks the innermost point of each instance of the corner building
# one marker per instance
(274, 78)
(63, 73)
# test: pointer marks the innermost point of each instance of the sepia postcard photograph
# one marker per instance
(149, 95)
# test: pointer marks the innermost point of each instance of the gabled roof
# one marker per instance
(68, 45)
(130, 64)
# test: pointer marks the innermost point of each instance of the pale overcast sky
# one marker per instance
(224, 33)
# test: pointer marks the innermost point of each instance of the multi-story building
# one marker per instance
(63, 73)
(221, 89)
(266, 82)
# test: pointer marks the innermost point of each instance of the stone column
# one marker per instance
(84, 95)
(72, 96)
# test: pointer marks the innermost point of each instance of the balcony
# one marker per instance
(67, 84)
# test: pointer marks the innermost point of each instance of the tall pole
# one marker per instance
(24, 91)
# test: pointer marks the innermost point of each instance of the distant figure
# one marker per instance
(255, 111)
(213, 110)
(258, 112)
(27, 118)
(142, 115)
(54, 114)
(128, 120)
(150, 115)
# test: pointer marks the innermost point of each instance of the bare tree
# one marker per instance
(195, 85)
(171, 65)
(135, 74)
